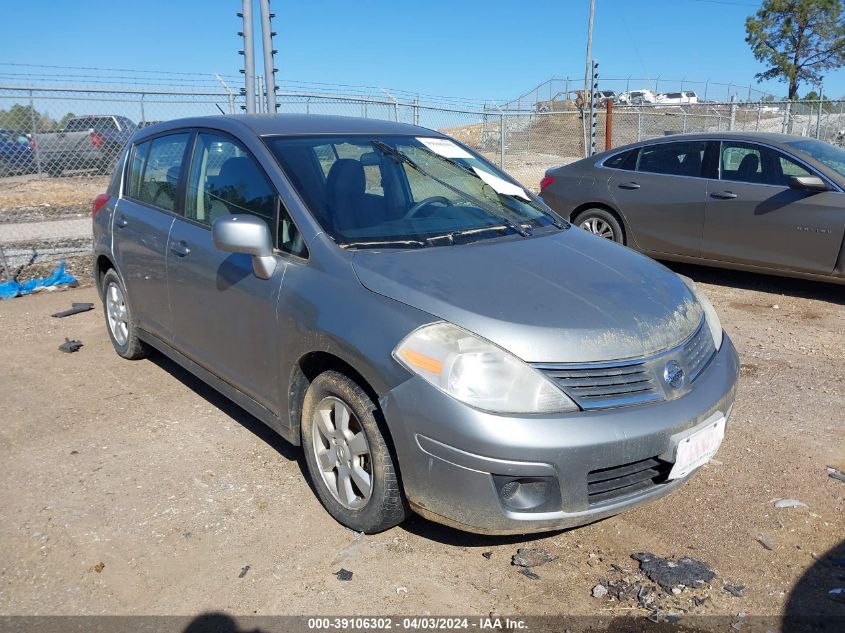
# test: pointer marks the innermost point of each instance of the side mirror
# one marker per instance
(246, 234)
(808, 183)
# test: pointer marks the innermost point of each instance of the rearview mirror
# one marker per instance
(246, 234)
(808, 183)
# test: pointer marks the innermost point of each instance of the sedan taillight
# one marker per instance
(546, 181)
(96, 139)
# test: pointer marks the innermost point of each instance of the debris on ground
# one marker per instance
(669, 573)
(766, 541)
(526, 557)
(735, 590)
(835, 473)
(790, 503)
(99, 567)
(70, 346)
(401, 590)
(75, 308)
(59, 277)
(599, 591)
(526, 571)
(487, 555)
(244, 571)
(343, 574)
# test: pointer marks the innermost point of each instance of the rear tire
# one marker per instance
(602, 223)
(348, 460)
(119, 321)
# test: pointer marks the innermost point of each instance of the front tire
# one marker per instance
(119, 323)
(602, 223)
(347, 457)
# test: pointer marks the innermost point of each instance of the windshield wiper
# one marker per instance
(554, 218)
(385, 243)
(403, 158)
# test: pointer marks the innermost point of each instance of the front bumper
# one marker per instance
(453, 458)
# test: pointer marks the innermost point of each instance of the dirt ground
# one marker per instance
(132, 488)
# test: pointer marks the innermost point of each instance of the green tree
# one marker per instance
(811, 96)
(797, 40)
(21, 118)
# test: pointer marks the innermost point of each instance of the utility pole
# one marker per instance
(249, 55)
(267, 34)
(587, 69)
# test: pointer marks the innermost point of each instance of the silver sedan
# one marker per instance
(770, 203)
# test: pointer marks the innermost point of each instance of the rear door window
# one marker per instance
(677, 159)
(154, 172)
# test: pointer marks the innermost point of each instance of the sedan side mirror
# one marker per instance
(808, 183)
(246, 234)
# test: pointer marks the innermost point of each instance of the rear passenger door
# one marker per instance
(224, 317)
(661, 195)
(753, 217)
(141, 225)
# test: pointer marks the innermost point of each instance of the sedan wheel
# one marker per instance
(602, 223)
(119, 322)
(117, 314)
(599, 227)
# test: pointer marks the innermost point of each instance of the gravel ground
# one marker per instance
(131, 488)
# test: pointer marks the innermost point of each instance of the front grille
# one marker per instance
(632, 382)
(611, 484)
(605, 386)
(697, 352)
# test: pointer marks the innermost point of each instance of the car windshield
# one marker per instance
(827, 154)
(405, 192)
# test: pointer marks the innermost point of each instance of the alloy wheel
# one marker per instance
(117, 314)
(598, 226)
(342, 453)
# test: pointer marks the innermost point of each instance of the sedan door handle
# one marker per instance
(180, 249)
(628, 185)
(120, 221)
(723, 195)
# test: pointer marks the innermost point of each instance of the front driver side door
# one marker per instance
(753, 217)
(224, 317)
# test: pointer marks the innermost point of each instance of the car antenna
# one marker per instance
(217, 105)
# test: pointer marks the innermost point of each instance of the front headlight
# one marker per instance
(478, 373)
(710, 315)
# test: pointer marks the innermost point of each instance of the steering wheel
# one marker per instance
(424, 203)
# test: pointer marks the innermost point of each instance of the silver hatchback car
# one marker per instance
(433, 335)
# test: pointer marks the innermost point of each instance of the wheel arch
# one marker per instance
(312, 364)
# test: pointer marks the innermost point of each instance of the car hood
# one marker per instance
(564, 297)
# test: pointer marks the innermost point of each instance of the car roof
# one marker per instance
(771, 138)
(291, 124)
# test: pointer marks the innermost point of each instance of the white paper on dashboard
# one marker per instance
(444, 147)
(501, 186)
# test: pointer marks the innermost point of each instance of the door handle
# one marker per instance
(120, 221)
(180, 249)
(723, 195)
(628, 185)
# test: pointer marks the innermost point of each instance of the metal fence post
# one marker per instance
(733, 113)
(819, 117)
(33, 126)
(502, 141)
(759, 112)
(141, 102)
(785, 127)
(417, 110)
(639, 125)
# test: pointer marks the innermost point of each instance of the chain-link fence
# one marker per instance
(58, 145)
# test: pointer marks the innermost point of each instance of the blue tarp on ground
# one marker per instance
(10, 289)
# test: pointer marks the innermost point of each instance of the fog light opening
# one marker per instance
(528, 494)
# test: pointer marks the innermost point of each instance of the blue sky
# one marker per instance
(468, 48)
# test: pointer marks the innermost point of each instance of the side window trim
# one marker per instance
(280, 207)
